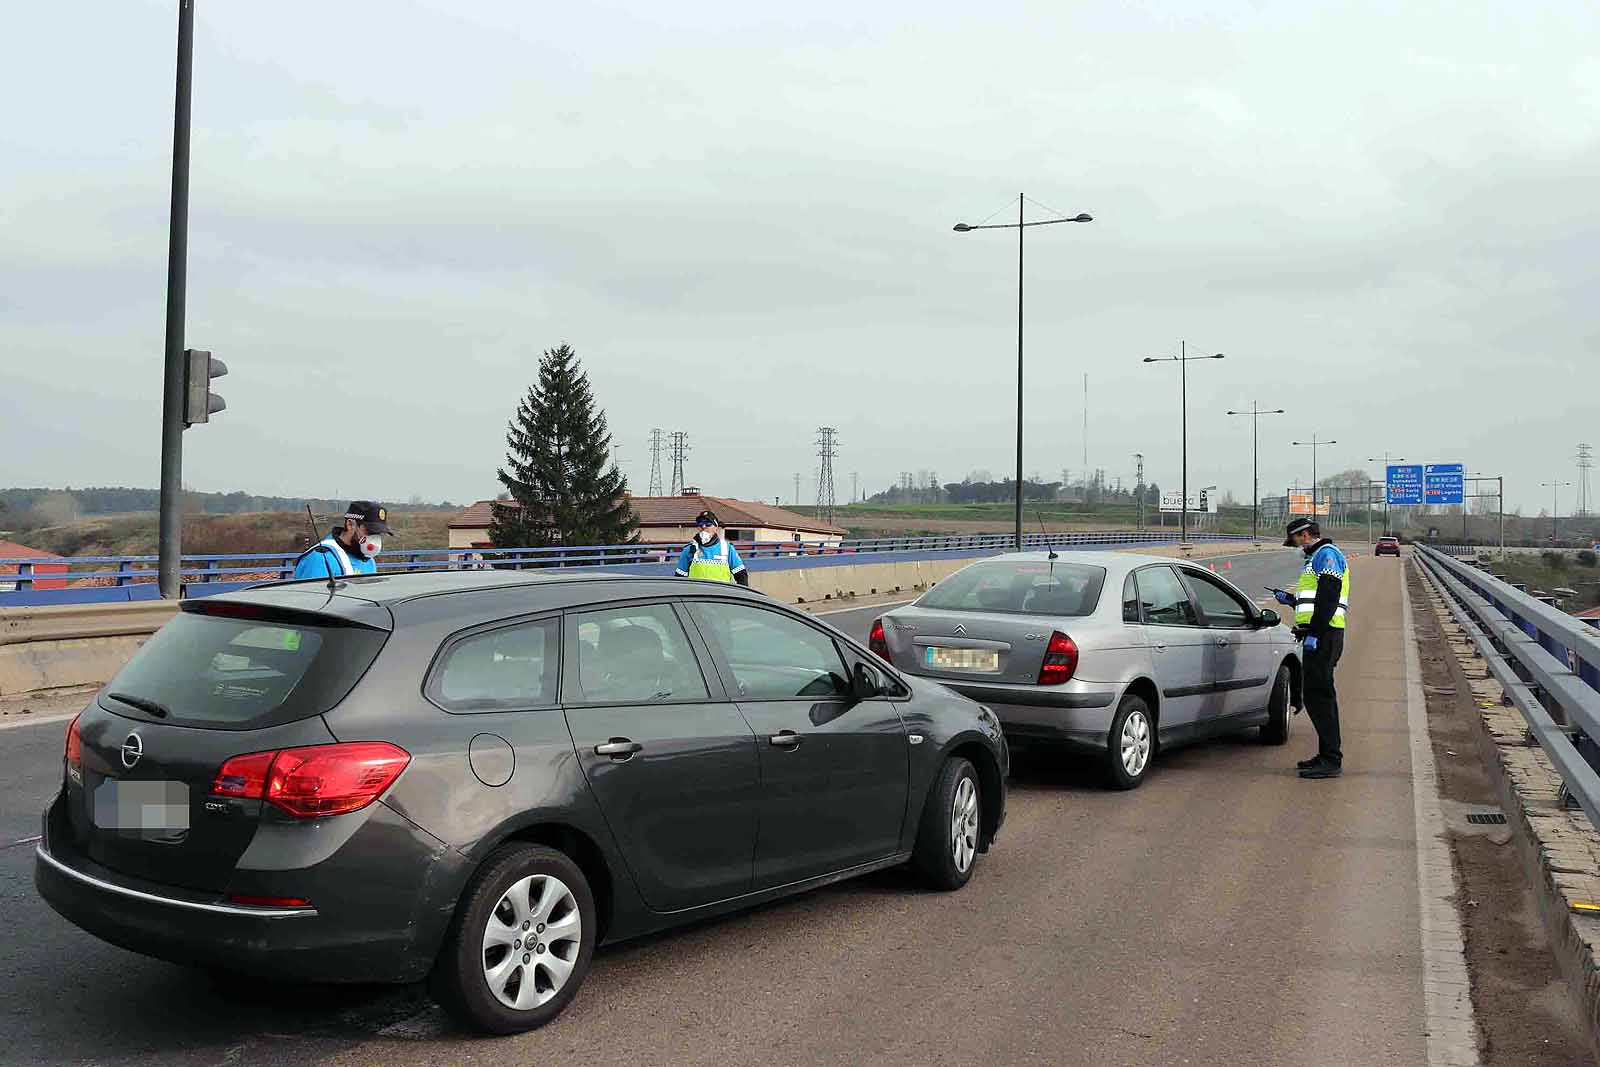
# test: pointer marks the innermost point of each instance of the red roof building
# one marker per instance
(12, 550)
(669, 520)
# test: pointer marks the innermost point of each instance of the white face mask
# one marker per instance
(370, 546)
(705, 537)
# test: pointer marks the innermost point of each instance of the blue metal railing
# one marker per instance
(100, 579)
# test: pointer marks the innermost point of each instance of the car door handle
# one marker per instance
(1224, 641)
(1159, 648)
(618, 748)
(785, 739)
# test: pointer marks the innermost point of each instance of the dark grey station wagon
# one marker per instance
(479, 777)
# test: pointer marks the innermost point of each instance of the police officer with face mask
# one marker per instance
(350, 549)
(709, 555)
(1321, 602)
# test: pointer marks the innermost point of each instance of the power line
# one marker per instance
(657, 444)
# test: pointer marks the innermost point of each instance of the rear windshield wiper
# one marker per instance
(157, 709)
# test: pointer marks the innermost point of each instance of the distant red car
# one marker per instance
(1387, 546)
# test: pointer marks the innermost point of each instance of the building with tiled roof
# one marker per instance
(669, 520)
(12, 550)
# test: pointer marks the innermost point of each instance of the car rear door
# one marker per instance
(834, 769)
(670, 760)
(1180, 651)
(1241, 658)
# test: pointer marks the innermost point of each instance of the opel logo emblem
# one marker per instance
(132, 750)
(960, 629)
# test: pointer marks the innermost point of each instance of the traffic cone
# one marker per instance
(1213, 567)
(1227, 564)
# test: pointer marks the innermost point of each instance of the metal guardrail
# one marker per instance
(37, 580)
(1547, 662)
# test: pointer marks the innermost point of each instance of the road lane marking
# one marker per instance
(25, 841)
(1446, 988)
(10, 723)
(864, 607)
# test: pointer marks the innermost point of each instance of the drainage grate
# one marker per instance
(1486, 818)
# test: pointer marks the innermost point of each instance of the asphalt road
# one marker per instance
(1224, 912)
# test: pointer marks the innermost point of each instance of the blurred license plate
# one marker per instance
(151, 810)
(963, 659)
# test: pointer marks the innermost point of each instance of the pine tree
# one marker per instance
(564, 488)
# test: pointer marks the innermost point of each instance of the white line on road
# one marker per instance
(863, 607)
(1446, 988)
(24, 841)
(11, 723)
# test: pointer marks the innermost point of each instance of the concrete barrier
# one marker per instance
(64, 646)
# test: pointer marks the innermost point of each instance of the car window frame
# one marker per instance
(459, 637)
(1194, 622)
(572, 698)
(1194, 574)
(731, 680)
(1138, 611)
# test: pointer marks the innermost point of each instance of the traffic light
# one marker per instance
(199, 402)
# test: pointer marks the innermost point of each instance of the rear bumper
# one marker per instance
(1078, 714)
(389, 936)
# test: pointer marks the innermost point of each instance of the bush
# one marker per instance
(1586, 557)
(1557, 560)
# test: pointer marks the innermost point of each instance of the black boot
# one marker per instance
(1312, 762)
(1322, 769)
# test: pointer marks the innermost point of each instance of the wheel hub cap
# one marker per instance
(1135, 743)
(964, 824)
(525, 973)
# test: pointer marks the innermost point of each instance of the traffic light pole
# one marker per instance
(172, 382)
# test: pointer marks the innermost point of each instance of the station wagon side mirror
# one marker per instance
(866, 682)
(1267, 618)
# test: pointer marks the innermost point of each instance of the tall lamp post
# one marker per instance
(1020, 225)
(1555, 507)
(1314, 444)
(1386, 461)
(1255, 413)
(1183, 359)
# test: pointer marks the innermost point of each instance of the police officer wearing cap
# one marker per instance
(350, 549)
(1321, 600)
(709, 555)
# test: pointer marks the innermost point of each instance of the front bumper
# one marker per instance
(362, 925)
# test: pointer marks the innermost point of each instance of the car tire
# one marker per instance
(1130, 744)
(1275, 731)
(947, 840)
(483, 973)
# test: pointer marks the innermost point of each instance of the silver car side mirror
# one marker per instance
(1267, 618)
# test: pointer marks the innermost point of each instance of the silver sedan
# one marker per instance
(1047, 642)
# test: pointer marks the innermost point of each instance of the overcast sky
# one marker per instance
(740, 216)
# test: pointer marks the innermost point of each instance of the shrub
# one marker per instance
(1586, 557)
(1555, 559)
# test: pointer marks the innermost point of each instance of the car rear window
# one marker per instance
(1056, 589)
(242, 673)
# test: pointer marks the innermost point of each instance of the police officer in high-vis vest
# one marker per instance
(350, 549)
(1321, 601)
(709, 555)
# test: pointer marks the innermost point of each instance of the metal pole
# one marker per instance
(1183, 404)
(1255, 472)
(171, 525)
(1501, 507)
(1020, 230)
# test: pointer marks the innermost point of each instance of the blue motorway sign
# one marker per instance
(1443, 483)
(1405, 483)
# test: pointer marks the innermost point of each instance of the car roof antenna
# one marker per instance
(1046, 532)
(311, 519)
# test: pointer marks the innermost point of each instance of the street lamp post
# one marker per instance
(1555, 506)
(1183, 359)
(1020, 225)
(1255, 413)
(1374, 459)
(1314, 444)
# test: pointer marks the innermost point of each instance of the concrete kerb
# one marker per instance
(1559, 849)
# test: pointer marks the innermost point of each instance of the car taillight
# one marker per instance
(877, 643)
(243, 776)
(1060, 660)
(74, 753)
(310, 783)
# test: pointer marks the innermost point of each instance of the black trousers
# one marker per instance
(1322, 702)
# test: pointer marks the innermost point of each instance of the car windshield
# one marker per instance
(1057, 589)
(242, 673)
